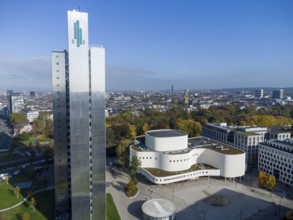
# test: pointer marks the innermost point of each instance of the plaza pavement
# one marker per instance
(245, 200)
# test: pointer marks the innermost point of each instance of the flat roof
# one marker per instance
(163, 173)
(204, 142)
(166, 133)
(159, 208)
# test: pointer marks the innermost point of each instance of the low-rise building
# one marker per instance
(158, 209)
(245, 138)
(32, 115)
(168, 156)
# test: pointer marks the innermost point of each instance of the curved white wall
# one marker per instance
(166, 143)
(229, 165)
(179, 177)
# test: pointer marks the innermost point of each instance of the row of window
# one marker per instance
(281, 147)
(190, 175)
(273, 166)
(275, 158)
(170, 161)
(277, 154)
(142, 158)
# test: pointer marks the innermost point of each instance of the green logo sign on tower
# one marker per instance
(77, 33)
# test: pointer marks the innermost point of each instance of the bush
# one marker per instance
(24, 136)
(131, 189)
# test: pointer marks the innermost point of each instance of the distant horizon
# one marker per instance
(164, 90)
(151, 45)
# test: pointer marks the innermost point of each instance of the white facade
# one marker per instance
(32, 115)
(224, 162)
(258, 93)
(174, 140)
(248, 142)
(15, 103)
(276, 158)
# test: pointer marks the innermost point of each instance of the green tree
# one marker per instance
(110, 137)
(132, 132)
(145, 127)
(24, 136)
(48, 129)
(18, 120)
(38, 125)
(191, 127)
(134, 165)
(122, 152)
(17, 191)
(32, 203)
(6, 179)
(131, 188)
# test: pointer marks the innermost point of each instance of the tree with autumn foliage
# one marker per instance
(266, 181)
(262, 179)
(271, 182)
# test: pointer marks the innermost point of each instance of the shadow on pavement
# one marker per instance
(135, 209)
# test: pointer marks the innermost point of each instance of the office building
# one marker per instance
(276, 158)
(168, 156)
(78, 77)
(277, 133)
(278, 94)
(258, 93)
(15, 102)
(246, 138)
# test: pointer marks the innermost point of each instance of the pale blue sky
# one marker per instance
(151, 44)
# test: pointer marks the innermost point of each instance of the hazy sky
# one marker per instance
(152, 44)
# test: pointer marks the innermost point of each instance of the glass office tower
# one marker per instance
(78, 78)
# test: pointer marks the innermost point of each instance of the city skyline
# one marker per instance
(196, 44)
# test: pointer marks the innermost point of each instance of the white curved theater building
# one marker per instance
(168, 156)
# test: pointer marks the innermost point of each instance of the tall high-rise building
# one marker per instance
(78, 78)
(186, 96)
(15, 102)
(278, 94)
(258, 93)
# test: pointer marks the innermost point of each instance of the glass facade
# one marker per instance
(84, 118)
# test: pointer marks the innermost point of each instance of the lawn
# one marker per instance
(8, 199)
(112, 212)
(7, 196)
